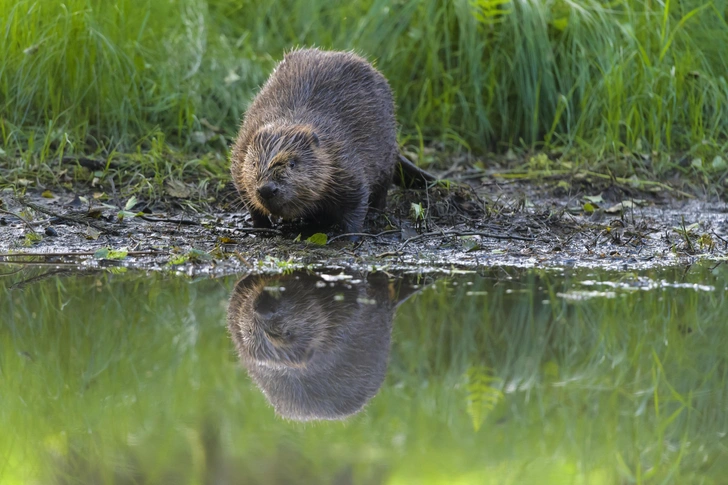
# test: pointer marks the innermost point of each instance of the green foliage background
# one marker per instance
(600, 78)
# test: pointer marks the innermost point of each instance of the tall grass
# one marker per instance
(602, 78)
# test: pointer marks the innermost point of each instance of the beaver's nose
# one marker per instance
(265, 305)
(268, 190)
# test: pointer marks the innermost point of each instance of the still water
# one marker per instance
(501, 377)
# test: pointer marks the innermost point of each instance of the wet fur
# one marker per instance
(332, 113)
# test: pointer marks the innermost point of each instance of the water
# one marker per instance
(507, 376)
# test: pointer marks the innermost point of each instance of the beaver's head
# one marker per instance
(286, 170)
(281, 326)
(317, 349)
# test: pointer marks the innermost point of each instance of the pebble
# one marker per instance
(49, 231)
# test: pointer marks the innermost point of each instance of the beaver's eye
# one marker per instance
(292, 162)
(287, 333)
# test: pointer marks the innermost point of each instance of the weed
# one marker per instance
(160, 86)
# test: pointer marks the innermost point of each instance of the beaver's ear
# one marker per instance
(314, 139)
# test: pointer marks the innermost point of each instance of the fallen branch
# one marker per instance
(73, 219)
(30, 226)
(362, 234)
(73, 254)
(259, 230)
(463, 233)
(11, 272)
(183, 222)
(725, 243)
(53, 273)
(388, 253)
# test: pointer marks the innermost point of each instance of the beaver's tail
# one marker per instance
(409, 175)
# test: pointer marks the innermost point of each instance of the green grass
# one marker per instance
(637, 87)
(132, 379)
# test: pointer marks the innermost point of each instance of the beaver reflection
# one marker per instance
(317, 349)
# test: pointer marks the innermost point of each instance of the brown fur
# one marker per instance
(317, 350)
(322, 132)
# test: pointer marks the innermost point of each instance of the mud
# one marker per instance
(461, 227)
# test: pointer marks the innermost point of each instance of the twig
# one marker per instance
(725, 243)
(464, 233)
(184, 222)
(41, 263)
(74, 219)
(362, 234)
(78, 253)
(56, 272)
(258, 230)
(30, 226)
(242, 259)
(12, 272)
(388, 253)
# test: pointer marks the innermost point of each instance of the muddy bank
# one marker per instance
(514, 224)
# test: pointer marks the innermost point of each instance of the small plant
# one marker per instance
(482, 394)
(108, 253)
(191, 256)
(418, 214)
(318, 239)
(32, 238)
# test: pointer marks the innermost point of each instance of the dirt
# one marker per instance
(469, 225)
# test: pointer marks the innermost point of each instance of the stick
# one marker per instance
(74, 219)
(362, 234)
(78, 253)
(30, 226)
(184, 222)
(464, 233)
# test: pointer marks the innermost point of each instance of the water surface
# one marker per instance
(506, 376)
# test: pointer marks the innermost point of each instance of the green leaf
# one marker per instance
(418, 212)
(588, 208)
(177, 260)
(130, 203)
(107, 253)
(197, 255)
(116, 270)
(122, 214)
(193, 256)
(101, 253)
(319, 239)
(32, 238)
(118, 253)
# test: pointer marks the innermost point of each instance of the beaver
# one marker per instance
(317, 349)
(318, 142)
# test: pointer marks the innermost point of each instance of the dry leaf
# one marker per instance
(625, 204)
(178, 189)
(92, 233)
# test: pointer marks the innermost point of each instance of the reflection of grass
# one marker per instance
(127, 79)
(112, 378)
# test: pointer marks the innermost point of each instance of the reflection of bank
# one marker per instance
(317, 346)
